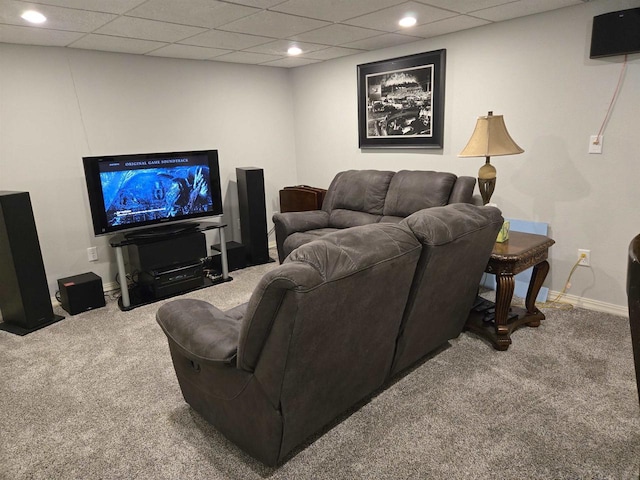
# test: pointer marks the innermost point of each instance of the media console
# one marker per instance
(165, 264)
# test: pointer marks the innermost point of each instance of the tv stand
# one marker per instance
(162, 231)
(132, 297)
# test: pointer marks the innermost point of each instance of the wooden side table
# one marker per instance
(521, 251)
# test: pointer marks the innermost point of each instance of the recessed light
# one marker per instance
(33, 17)
(407, 22)
(294, 51)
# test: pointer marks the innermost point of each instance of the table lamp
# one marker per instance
(489, 139)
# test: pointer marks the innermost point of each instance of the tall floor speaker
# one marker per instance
(253, 214)
(25, 302)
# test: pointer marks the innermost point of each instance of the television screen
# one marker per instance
(144, 190)
(615, 33)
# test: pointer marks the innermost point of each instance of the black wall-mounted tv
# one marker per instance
(128, 192)
(616, 33)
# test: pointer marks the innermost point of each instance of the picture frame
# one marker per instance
(401, 101)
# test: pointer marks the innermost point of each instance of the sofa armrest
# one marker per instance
(462, 191)
(201, 332)
(292, 222)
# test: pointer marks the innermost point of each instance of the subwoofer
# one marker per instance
(253, 214)
(25, 301)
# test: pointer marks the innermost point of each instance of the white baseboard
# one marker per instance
(590, 304)
(110, 287)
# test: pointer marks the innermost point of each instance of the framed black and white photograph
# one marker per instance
(401, 102)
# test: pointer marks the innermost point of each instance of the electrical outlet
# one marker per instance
(595, 144)
(585, 257)
(92, 254)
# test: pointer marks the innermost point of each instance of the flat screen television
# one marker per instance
(162, 190)
(615, 33)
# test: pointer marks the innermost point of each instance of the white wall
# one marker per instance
(535, 71)
(58, 105)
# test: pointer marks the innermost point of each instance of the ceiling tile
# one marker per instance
(107, 6)
(290, 62)
(336, 34)
(57, 18)
(448, 25)
(247, 57)
(387, 19)
(273, 24)
(333, 10)
(522, 8)
(464, 6)
(280, 47)
(148, 29)
(251, 31)
(116, 44)
(331, 52)
(37, 36)
(382, 41)
(257, 3)
(200, 13)
(188, 51)
(228, 40)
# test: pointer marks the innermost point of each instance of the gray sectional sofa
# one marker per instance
(337, 320)
(361, 197)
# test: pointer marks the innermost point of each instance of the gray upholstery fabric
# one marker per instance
(456, 244)
(463, 190)
(199, 330)
(413, 191)
(358, 190)
(296, 239)
(329, 326)
(361, 197)
(318, 335)
(343, 218)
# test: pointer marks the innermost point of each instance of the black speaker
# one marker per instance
(253, 214)
(25, 301)
(80, 293)
(236, 256)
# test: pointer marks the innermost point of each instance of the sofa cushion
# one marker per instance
(411, 191)
(199, 330)
(342, 218)
(331, 258)
(358, 190)
(294, 240)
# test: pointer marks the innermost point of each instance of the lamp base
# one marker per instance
(486, 187)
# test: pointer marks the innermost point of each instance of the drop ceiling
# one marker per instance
(251, 31)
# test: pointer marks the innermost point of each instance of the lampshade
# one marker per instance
(490, 139)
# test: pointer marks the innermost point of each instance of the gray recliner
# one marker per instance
(317, 336)
(361, 197)
(329, 326)
(457, 241)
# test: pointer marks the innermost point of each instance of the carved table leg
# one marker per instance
(505, 284)
(538, 276)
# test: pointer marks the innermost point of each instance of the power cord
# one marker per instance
(555, 303)
(567, 286)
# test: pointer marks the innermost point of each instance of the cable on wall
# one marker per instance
(613, 99)
(75, 91)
